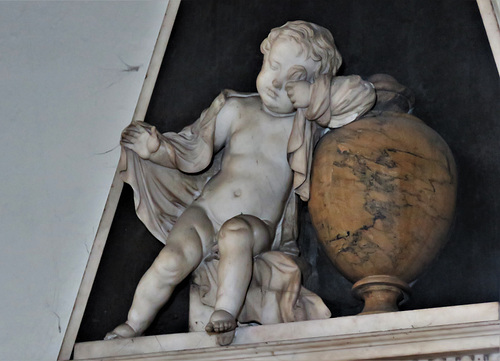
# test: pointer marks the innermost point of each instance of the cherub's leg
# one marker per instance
(239, 240)
(181, 255)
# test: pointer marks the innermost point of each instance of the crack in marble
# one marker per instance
(379, 181)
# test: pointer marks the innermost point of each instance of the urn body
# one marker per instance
(382, 201)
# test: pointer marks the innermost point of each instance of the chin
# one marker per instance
(278, 108)
(283, 109)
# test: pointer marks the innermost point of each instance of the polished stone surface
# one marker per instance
(383, 196)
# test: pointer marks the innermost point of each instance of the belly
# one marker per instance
(260, 192)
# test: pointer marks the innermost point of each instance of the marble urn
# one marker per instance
(383, 197)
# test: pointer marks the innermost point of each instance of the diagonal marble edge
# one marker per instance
(342, 326)
(74, 322)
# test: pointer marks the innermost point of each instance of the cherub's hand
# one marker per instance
(142, 138)
(299, 93)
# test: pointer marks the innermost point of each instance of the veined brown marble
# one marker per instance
(382, 199)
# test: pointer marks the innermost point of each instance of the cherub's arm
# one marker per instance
(333, 102)
(223, 122)
(191, 149)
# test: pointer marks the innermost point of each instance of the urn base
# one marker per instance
(381, 293)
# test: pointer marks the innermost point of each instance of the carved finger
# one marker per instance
(130, 134)
(144, 126)
(133, 125)
(138, 126)
(154, 132)
(129, 139)
(131, 128)
(127, 130)
(127, 145)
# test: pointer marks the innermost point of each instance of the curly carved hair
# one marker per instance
(316, 41)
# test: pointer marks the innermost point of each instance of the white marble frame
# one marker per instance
(116, 187)
(490, 13)
(492, 25)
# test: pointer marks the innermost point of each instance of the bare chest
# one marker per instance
(258, 133)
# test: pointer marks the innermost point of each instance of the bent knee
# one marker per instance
(237, 224)
(173, 264)
(243, 231)
(236, 232)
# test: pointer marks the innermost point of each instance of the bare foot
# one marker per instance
(122, 331)
(225, 338)
(221, 321)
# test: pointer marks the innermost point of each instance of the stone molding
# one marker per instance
(448, 333)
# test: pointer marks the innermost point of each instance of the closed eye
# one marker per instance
(296, 73)
(274, 66)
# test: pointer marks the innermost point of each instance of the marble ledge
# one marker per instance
(407, 335)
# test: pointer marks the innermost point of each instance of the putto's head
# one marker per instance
(296, 51)
(315, 40)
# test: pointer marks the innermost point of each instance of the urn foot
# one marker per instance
(381, 293)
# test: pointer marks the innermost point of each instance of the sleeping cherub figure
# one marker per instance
(221, 194)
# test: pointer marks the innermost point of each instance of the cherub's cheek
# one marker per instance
(260, 80)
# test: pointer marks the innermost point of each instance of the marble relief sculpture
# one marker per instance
(222, 194)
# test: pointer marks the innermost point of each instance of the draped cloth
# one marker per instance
(161, 195)
(334, 103)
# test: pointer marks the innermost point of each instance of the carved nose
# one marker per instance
(276, 84)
